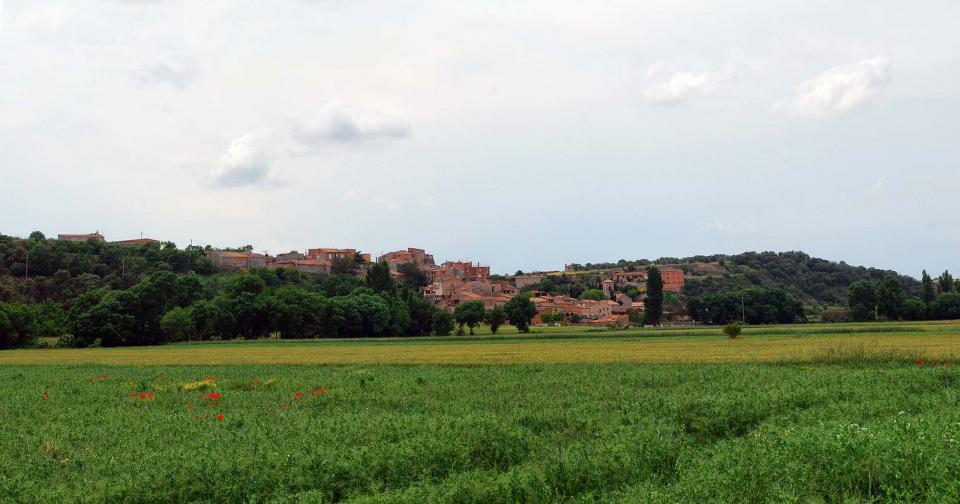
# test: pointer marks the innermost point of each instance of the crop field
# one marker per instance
(832, 413)
(798, 343)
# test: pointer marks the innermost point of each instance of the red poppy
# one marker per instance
(258, 382)
(219, 416)
(298, 395)
(189, 406)
(213, 395)
(143, 395)
(284, 407)
(45, 395)
(212, 404)
(133, 395)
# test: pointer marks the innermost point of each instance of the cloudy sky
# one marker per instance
(521, 134)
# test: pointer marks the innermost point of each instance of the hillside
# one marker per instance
(818, 282)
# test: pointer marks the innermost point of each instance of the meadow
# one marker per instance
(834, 413)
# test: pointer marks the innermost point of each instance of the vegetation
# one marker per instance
(903, 341)
(886, 299)
(101, 294)
(733, 330)
(653, 303)
(494, 318)
(832, 432)
(520, 311)
(442, 323)
(470, 314)
(753, 306)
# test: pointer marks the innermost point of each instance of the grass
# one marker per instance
(813, 413)
(548, 345)
(530, 433)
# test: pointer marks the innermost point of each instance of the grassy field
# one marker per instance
(799, 343)
(832, 413)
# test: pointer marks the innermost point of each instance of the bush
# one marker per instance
(733, 330)
(834, 315)
(442, 323)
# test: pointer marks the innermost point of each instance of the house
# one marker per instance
(236, 260)
(81, 237)
(597, 309)
(634, 278)
(418, 257)
(330, 254)
(303, 265)
(522, 281)
(290, 256)
(136, 242)
(672, 279)
(465, 271)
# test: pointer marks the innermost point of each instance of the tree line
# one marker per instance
(166, 307)
(938, 300)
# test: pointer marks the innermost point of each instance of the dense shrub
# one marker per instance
(442, 323)
(733, 330)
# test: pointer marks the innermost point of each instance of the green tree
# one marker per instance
(469, 314)
(593, 295)
(914, 309)
(862, 301)
(946, 307)
(50, 320)
(177, 325)
(421, 313)
(890, 298)
(520, 311)
(379, 279)
(495, 317)
(442, 323)
(413, 276)
(17, 327)
(929, 290)
(653, 303)
(344, 266)
(945, 282)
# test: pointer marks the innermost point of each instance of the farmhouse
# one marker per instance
(329, 254)
(236, 260)
(81, 237)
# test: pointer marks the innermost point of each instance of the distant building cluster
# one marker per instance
(96, 236)
(452, 282)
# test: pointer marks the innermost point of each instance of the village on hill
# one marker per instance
(617, 300)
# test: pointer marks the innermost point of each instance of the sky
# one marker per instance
(522, 134)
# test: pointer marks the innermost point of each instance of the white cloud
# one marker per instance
(350, 194)
(839, 90)
(247, 161)
(179, 74)
(337, 125)
(251, 159)
(672, 87)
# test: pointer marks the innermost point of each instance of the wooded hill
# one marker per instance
(817, 282)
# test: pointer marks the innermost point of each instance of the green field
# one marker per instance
(839, 413)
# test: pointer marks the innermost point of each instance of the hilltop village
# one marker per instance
(453, 282)
(617, 300)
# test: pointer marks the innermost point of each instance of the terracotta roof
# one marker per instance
(244, 255)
